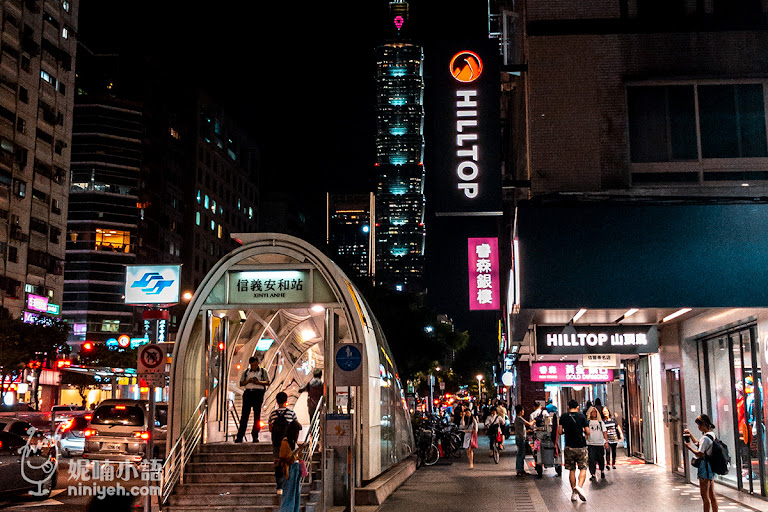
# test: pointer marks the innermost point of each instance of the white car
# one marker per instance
(119, 431)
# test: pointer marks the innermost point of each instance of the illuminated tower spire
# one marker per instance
(399, 157)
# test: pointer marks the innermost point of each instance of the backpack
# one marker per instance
(279, 428)
(719, 459)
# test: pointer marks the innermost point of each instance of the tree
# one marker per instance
(33, 345)
(101, 355)
(81, 381)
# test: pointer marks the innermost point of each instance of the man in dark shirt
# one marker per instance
(574, 426)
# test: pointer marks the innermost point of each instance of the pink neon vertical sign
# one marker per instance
(484, 285)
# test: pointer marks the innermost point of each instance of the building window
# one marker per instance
(21, 125)
(110, 326)
(38, 226)
(732, 121)
(113, 240)
(65, 5)
(197, 218)
(55, 234)
(23, 95)
(20, 188)
(55, 206)
(13, 254)
(663, 128)
(65, 33)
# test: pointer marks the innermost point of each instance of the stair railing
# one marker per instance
(179, 455)
(313, 437)
(232, 416)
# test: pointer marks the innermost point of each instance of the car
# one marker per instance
(19, 407)
(22, 470)
(72, 436)
(119, 431)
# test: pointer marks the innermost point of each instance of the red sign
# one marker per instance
(484, 284)
(569, 372)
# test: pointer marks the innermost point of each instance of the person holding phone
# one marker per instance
(701, 448)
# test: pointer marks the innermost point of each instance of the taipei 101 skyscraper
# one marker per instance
(399, 226)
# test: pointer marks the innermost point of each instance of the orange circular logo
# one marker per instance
(466, 66)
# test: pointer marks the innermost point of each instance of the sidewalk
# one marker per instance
(451, 486)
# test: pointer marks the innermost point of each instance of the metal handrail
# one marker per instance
(182, 450)
(233, 414)
(313, 437)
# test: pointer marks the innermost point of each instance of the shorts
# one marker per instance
(705, 471)
(573, 457)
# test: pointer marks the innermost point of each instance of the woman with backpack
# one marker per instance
(291, 468)
(702, 448)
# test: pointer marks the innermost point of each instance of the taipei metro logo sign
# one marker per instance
(466, 66)
(152, 284)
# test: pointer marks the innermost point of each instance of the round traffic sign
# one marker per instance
(507, 378)
(151, 357)
(348, 358)
(124, 340)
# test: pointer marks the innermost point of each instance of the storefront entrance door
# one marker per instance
(674, 420)
(735, 403)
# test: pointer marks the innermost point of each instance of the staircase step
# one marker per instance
(216, 488)
(236, 508)
(234, 457)
(210, 478)
(229, 467)
(236, 448)
(224, 499)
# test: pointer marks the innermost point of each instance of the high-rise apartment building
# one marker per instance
(399, 158)
(350, 235)
(160, 178)
(37, 54)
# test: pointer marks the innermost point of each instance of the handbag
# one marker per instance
(473, 440)
(304, 471)
(695, 462)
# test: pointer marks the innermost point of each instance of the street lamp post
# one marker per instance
(479, 391)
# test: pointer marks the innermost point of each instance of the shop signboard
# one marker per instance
(37, 303)
(484, 284)
(599, 339)
(569, 372)
(599, 361)
(464, 103)
(269, 287)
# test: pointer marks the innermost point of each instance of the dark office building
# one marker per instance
(160, 178)
(350, 237)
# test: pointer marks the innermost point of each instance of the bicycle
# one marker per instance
(495, 450)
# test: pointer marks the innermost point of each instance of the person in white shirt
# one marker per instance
(255, 380)
(702, 448)
(597, 442)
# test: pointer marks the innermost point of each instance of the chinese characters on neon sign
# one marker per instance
(483, 269)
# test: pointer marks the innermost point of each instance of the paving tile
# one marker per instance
(634, 486)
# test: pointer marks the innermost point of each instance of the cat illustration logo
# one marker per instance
(466, 66)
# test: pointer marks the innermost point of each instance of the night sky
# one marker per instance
(299, 75)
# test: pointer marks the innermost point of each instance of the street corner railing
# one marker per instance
(313, 437)
(182, 450)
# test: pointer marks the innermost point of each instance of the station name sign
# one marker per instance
(612, 339)
(269, 287)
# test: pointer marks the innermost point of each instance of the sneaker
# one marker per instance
(574, 496)
(614, 467)
(608, 468)
(238, 440)
(578, 490)
(592, 477)
(602, 474)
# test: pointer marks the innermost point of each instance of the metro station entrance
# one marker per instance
(280, 299)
